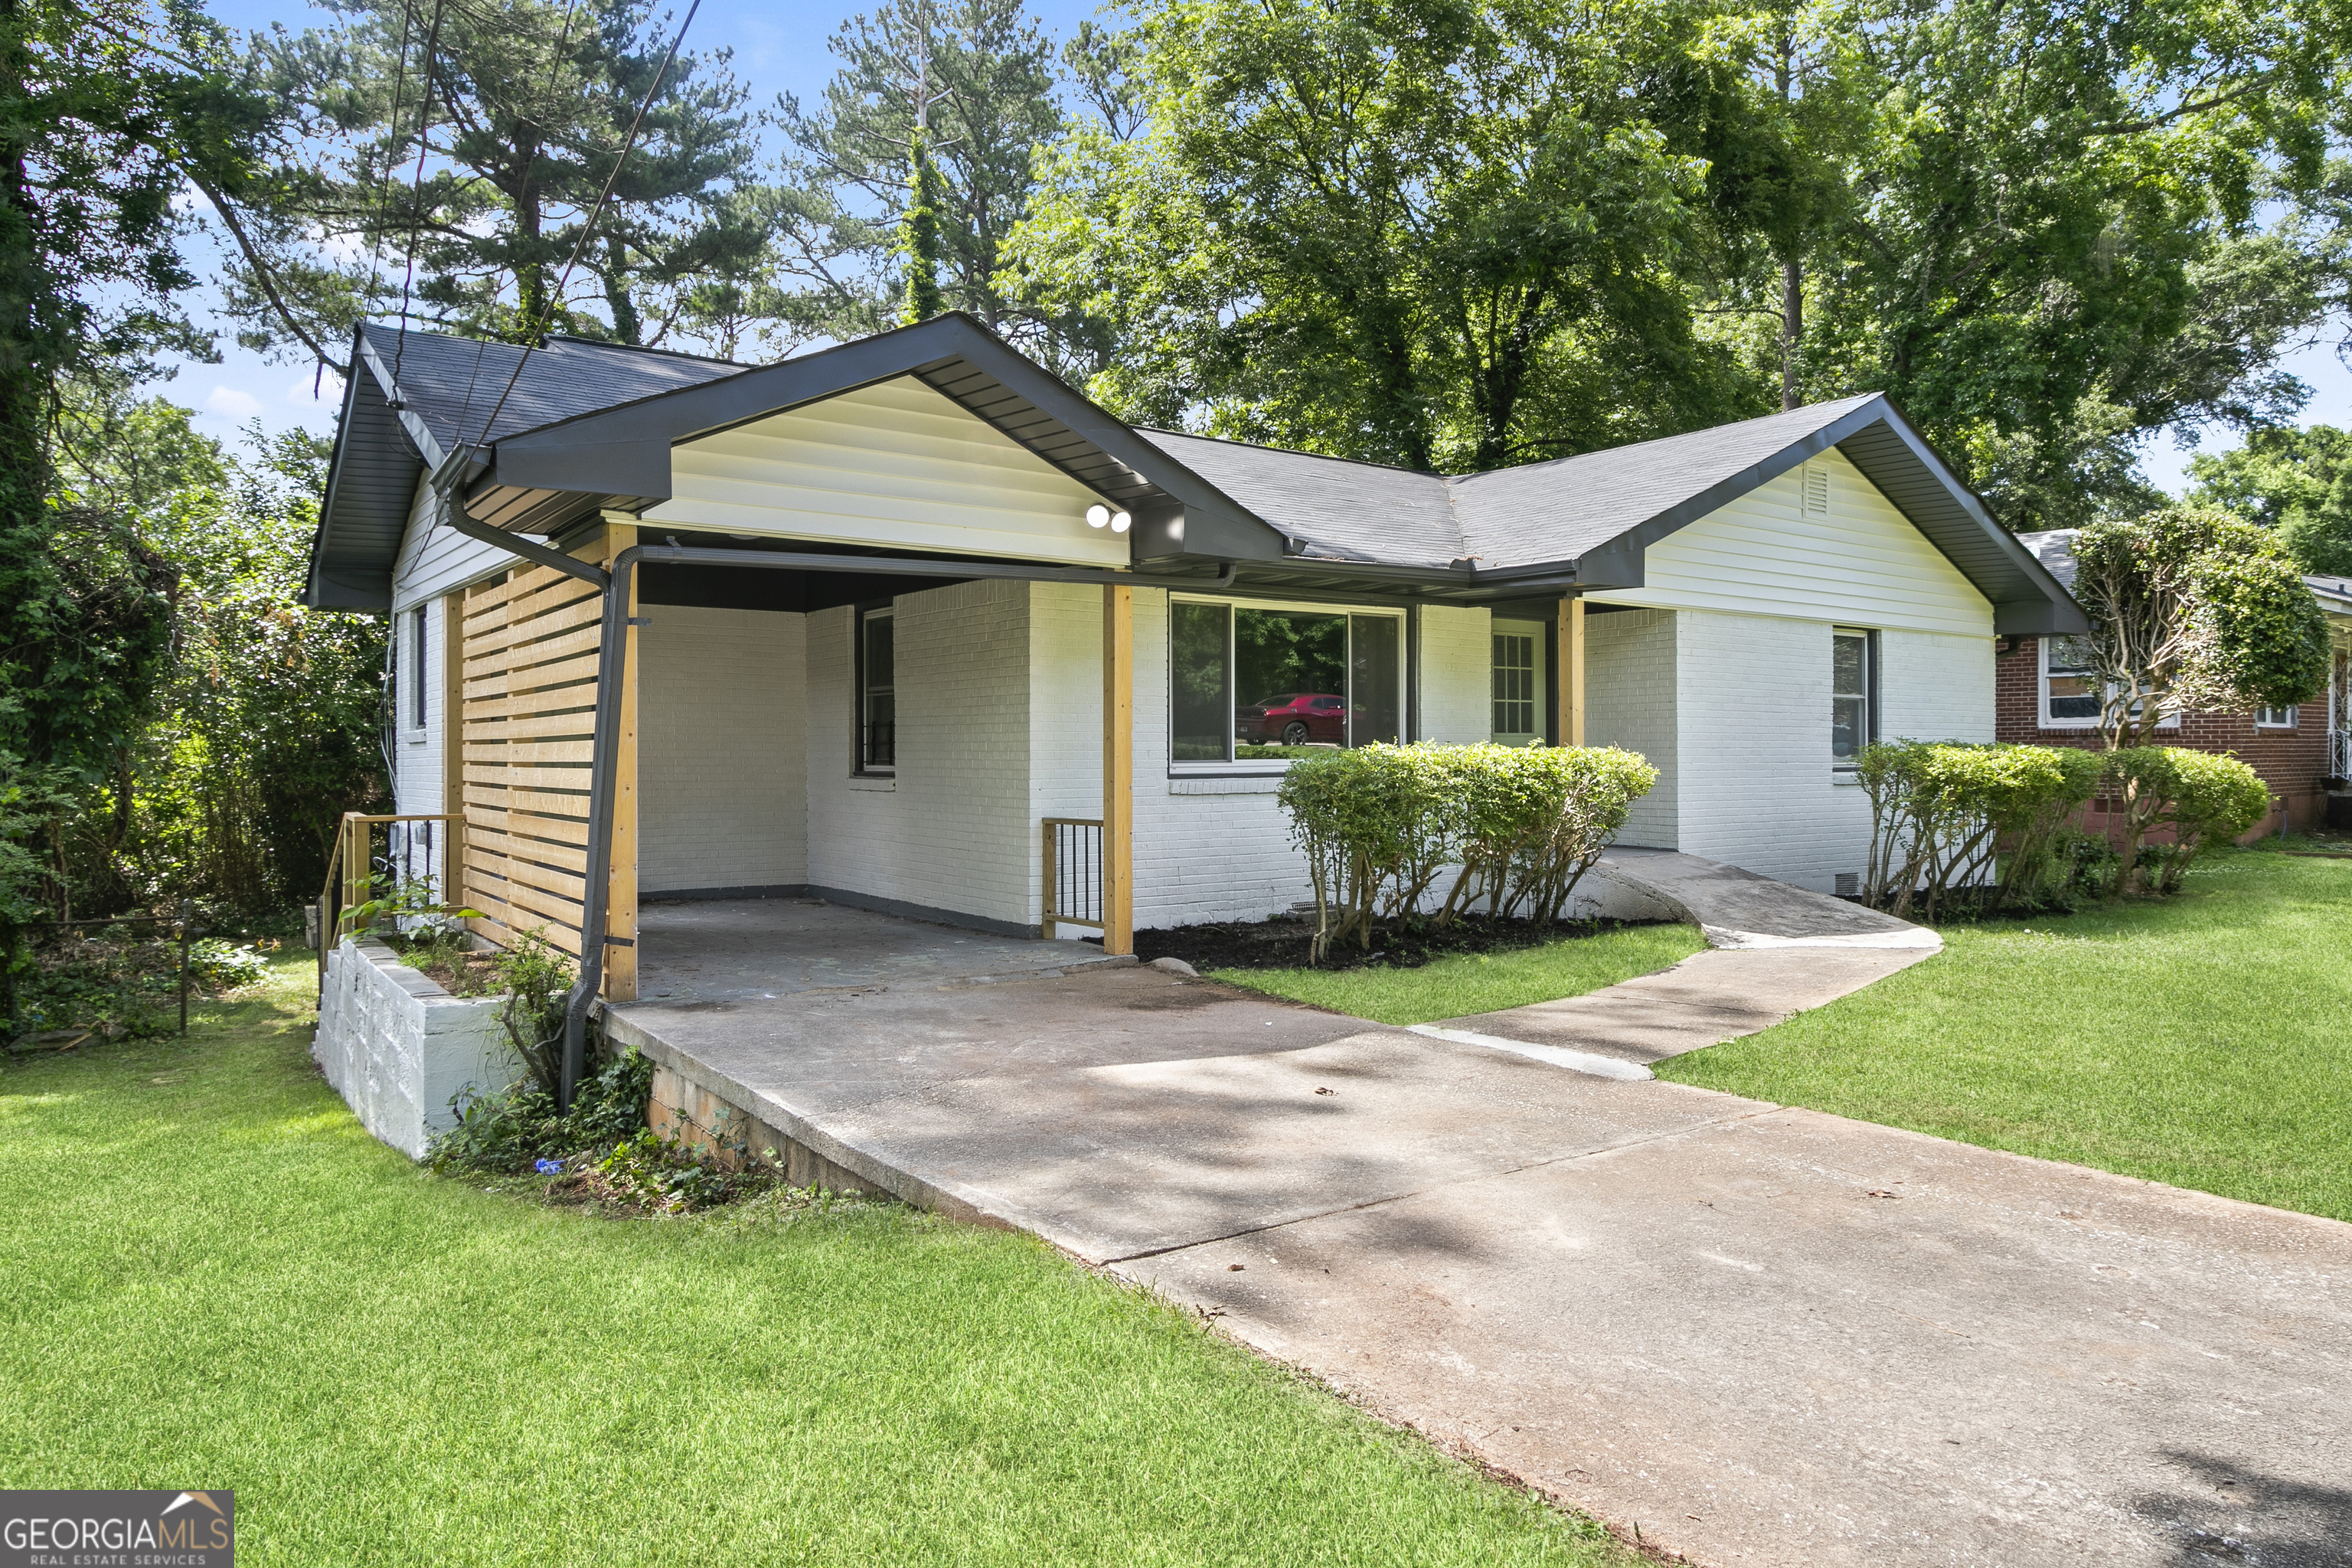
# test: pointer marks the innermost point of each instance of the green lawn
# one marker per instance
(214, 1278)
(2203, 1040)
(1483, 983)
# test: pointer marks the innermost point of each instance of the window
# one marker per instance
(1853, 723)
(2070, 692)
(1253, 683)
(1517, 697)
(416, 624)
(2070, 688)
(2273, 717)
(877, 693)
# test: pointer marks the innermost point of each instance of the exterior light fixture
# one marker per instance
(1098, 515)
(1120, 522)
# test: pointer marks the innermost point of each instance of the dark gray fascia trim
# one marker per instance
(515, 544)
(625, 450)
(314, 586)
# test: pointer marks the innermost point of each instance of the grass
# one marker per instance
(215, 1278)
(1462, 983)
(2203, 1040)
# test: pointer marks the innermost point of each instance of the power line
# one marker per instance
(416, 196)
(531, 340)
(555, 71)
(384, 186)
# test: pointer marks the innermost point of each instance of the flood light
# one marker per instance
(1120, 522)
(1098, 515)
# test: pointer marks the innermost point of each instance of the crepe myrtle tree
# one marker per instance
(2193, 610)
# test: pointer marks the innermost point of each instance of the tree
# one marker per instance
(2050, 243)
(2296, 483)
(487, 164)
(2193, 610)
(1423, 232)
(962, 88)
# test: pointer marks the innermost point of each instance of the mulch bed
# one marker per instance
(1283, 942)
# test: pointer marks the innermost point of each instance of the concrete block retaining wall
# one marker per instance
(397, 1048)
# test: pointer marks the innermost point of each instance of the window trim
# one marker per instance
(879, 609)
(1258, 767)
(2289, 722)
(2042, 718)
(1534, 633)
(1869, 636)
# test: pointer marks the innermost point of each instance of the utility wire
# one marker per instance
(384, 186)
(554, 74)
(416, 196)
(530, 341)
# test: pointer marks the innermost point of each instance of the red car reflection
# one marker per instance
(1294, 720)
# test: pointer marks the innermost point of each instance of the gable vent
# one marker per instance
(1816, 490)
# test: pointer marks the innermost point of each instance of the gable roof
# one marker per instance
(591, 426)
(414, 396)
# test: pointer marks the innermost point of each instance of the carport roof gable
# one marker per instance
(620, 455)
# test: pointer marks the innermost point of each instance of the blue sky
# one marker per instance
(780, 46)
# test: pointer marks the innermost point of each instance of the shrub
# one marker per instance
(1379, 824)
(536, 977)
(2199, 795)
(1940, 810)
(509, 1130)
(224, 965)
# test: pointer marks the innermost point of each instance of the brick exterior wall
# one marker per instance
(722, 783)
(2291, 762)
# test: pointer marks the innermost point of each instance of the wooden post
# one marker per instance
(1119, 769)
(1571, 672)
(621, 898)
(356, 863)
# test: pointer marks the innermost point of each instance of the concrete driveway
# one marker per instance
(1758, 1335)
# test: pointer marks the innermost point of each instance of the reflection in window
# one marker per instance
(877, 693)
(1850, 683)
(2274, 718)
(1249, 684)
(2069, 690)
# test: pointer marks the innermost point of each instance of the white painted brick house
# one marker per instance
(880, 593)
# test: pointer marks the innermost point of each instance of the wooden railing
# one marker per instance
(1074, 873)
(351, 872)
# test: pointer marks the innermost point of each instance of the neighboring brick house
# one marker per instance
(2040, 698)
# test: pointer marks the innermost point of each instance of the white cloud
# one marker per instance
(328, 385)
(232, 404)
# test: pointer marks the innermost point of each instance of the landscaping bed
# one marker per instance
(1284, 941)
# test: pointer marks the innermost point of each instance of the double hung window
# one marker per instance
(877, 692)
(2071, 692)
(417, 622)
(1854, 695)
(1252, 683)
(2274, 718)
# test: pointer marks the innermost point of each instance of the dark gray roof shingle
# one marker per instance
(1343, 509)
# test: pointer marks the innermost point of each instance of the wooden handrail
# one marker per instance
(350, 854)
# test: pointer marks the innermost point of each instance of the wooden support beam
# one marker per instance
(621, 899)
(1571, 672)
(1119, 769)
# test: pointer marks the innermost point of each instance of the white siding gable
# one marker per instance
(894, 464)
(434, 560)
(1857, 561)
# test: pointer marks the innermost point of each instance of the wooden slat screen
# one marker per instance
(529, 721)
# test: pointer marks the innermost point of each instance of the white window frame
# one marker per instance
(2286, 719)
(1535, 631)
(412, 685)
(1869, 691)
(860, 617)
(2042, 717)
(1275, 767)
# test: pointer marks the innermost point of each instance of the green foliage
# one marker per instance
(919, 242)
(533, 104)
(2296, 483)
(1942, 811)
(1379, 824)
(2201, 798)
(226, 965)
(509, 1130)
(2194, 610)
(536, 977)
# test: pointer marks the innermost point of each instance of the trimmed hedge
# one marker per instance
(1991, 824)
(1519, 825)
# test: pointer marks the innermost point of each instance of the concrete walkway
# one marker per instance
(1761, 1335)
(1773, 951)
